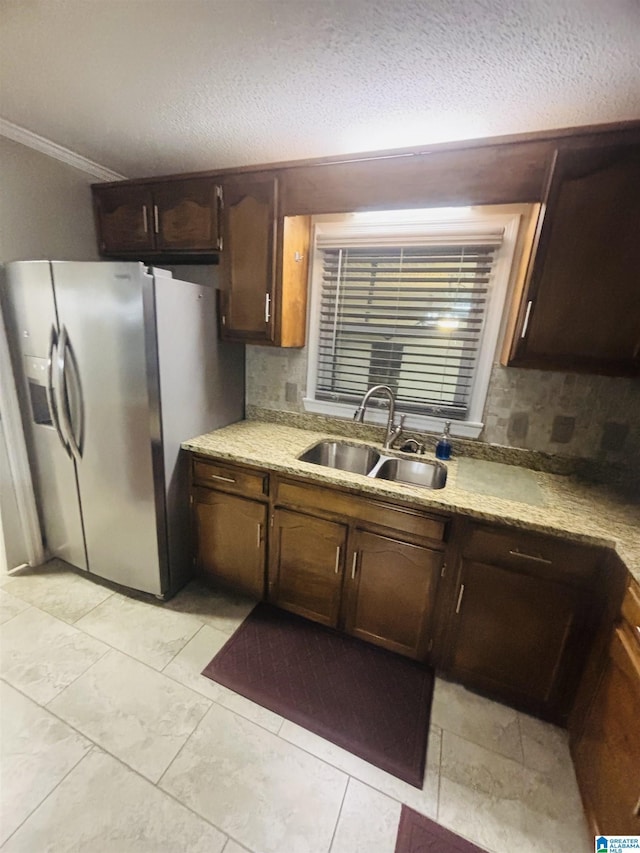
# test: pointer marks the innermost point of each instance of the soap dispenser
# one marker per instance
(443, 447)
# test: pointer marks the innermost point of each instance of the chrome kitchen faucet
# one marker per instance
(393, 429)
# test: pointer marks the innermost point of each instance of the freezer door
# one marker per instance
(32, 331)
(111, 416)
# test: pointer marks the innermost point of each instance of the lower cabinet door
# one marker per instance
(390, 593)
(607, 757)
(231, 541)
(514, 636)
(305, 574)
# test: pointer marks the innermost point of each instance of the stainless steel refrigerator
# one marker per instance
(116, 365)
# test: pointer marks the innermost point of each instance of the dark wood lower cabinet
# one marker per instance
(607, 757)
(514, 636)
(231, 537)
(390, 593)
(305, 566)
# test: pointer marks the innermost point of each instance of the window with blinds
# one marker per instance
(407, 314)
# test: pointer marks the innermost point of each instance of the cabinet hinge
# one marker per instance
(271, 522)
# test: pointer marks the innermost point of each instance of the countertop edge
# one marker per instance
(583, 514)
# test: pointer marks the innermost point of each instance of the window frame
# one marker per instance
(410, 225)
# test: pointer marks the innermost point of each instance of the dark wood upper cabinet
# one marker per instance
(264, 266)
(124, 219)
(187, 216)
(248, 261)
(170, 220)
(580, 310)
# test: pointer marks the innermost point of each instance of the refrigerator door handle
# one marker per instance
(64, 351)
(51, 397)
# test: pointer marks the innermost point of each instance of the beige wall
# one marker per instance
(45, 207)
(45, 212)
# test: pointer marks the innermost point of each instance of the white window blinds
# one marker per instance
(410, 316)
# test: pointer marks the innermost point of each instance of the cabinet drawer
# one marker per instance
(631, 609)
(230, 478)
(532, 553)
(335, 503)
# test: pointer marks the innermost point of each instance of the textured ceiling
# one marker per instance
(148, 87)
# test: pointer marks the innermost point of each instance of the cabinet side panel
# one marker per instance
(201, 388)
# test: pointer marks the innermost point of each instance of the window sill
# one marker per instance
(413, 423)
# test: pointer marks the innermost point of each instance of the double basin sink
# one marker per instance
(363, 459)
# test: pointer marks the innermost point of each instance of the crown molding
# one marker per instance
(58, 152)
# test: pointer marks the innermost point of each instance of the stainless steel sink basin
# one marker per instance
(362, 459)
(432, 475)
(359, 459)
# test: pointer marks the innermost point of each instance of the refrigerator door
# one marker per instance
(32, 329)
(110, 415)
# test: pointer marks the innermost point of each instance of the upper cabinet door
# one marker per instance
(248, 259)
(124, 217)
(581, 309)
(186, 216)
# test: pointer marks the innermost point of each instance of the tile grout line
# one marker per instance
(55, 787)
(335, 828)
(439, 774)
(19, 613)
(97, 746)
(132, 657)
(91, 609)
(350, 775)
(56, 616)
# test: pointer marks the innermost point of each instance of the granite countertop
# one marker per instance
(533, 500)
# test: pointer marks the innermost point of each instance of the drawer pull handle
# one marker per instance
(460, 594)
(337, 569)
(525, 325)
(636, 811)
(145, 219)
(259, 539)
(535, 557)
(354, 565)
(156, 219)
(220, 477)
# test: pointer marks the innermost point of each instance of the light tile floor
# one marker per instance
(112, 742)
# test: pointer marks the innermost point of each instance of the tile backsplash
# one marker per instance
(565, 414)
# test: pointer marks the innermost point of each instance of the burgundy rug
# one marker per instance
(418, 834)
(372, 702)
